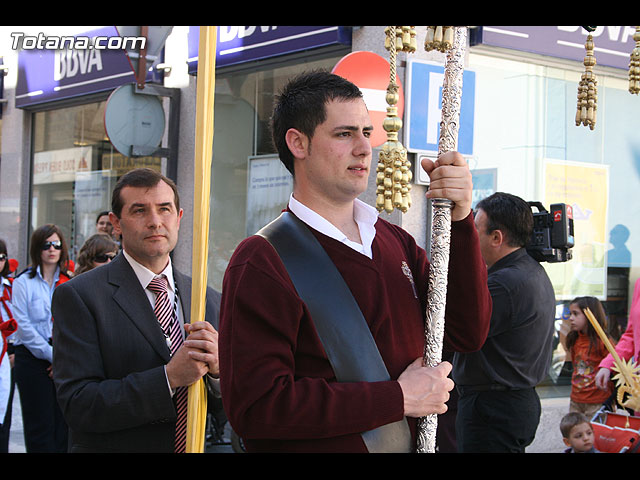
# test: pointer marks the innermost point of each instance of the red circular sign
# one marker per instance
(370, 72)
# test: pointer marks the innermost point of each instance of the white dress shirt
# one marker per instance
(145, 276)
(364, 215)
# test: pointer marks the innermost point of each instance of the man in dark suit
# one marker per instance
(115, 376)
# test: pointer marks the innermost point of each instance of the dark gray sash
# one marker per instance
(344, 332)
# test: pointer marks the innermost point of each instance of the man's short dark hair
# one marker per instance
(509, 214)
(140, 177)
(302, 105)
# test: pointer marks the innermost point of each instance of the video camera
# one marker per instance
(552, 236)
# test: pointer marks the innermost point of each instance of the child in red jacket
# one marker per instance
(587, 351)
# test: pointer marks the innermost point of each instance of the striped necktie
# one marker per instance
(168, 319)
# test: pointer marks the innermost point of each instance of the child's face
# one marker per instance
(577, 318)
(580, 438)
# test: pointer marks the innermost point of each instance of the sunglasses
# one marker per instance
(2, 257)
(57, 245)
(103, 257)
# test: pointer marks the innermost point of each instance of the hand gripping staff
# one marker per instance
(197, 400)
(441, 224)
(394, 176)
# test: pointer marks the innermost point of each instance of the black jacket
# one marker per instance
(108, 360)
(517, 352)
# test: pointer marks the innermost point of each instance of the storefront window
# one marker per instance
(75, 168)
(243, 157)
(525, 130)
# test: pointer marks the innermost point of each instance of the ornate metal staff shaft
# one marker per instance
(441, 229)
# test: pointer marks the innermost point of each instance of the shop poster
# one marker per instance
(584, 186)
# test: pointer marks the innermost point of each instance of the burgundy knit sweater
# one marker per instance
(278, 388)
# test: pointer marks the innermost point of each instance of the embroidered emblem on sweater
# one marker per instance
(407, 271)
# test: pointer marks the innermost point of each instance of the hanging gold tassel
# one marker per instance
(439, 38)
(634, 65)
(408, 39)
(394, 174)
(587, 89)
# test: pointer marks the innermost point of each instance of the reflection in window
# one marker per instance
(525, 119)
(243, 105)
(75, 168)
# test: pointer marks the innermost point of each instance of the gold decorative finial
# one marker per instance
(393, 177)
(634, 65)
(587, 89)
(627, 379)
(628, 382)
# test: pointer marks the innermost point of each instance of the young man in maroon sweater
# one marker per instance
(278, 387)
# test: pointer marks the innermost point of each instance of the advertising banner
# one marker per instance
(269, 186)
(584, 186)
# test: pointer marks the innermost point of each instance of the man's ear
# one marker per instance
(297, 142)
(180, 213)
(496, 238)
(115, 221)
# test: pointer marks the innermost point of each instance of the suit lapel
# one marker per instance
(130, 296)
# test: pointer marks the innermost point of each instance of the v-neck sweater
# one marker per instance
(278, 388)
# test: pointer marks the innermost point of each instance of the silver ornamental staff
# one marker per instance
(441, 229)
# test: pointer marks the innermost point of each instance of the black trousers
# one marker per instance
(497, 421)
(45, 430)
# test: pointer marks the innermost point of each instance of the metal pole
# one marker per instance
(441, 229)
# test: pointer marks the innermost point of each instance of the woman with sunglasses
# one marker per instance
(7, 327)
(44, 427)
(97, 250)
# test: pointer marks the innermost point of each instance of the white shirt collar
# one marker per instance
(145, 275)
(56, 275)
(364, 215)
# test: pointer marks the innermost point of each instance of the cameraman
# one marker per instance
(499, 409)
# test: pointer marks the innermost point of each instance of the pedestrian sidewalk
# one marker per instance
(548, 438)
(16, 435)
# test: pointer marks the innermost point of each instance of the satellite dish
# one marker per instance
(134, 120)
